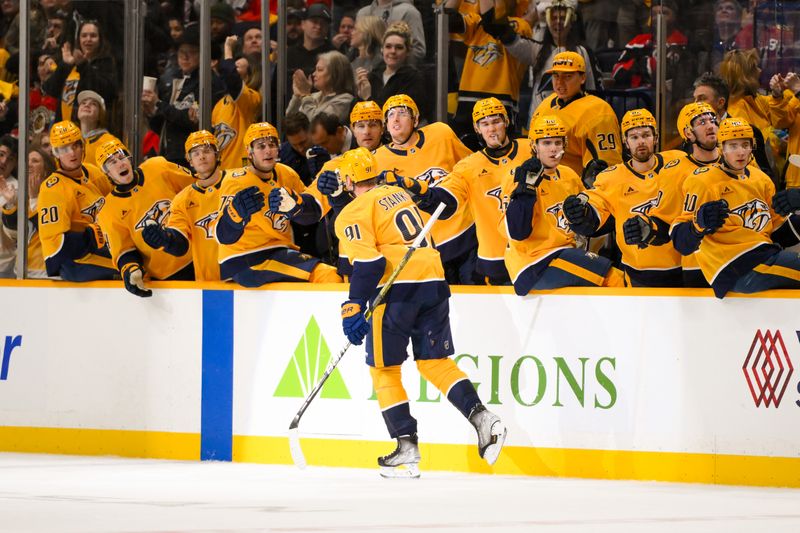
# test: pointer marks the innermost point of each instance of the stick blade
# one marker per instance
(294, 448)
(794, 159)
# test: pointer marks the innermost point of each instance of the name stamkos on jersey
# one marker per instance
(206, 224)
(93, 210)
(158, 212)
(392, 200)
(645, 207)
(754, 214)
(557, 210)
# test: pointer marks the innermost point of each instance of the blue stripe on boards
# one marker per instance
(216, 415)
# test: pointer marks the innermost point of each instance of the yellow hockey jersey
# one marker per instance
(193, 214)
(550, 231)
(489, 70)
(35, 265)
(156, 182)
(382, 223)
(622, 192)
(265, 229)
(70, 93)
(92, 144)
(230, 118)
(751, 220)
(435, 154)
(482, 184)
(313, 191)
(592, 129)
(70, 204)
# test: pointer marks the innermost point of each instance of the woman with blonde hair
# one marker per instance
(394, 75)
(333, 79)
(366, 41)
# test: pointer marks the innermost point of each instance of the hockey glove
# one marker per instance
(576, 209)
(246, 202)
(786, 202)
(354, 324)
(155, 236)
(95, 238)
(284, 201)
(316, 157)
(527, 177)
(711, 216)
(593, 168)
(133, 276)
(329, 183)
(414, 186)
(639, 231)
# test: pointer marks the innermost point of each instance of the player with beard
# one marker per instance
(625, 198)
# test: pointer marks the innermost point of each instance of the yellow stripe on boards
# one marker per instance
(124, 443)
(515, 460)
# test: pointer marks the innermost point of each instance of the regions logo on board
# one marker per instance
(768, 368)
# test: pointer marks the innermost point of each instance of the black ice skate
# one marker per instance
(404, 461)
(491, 432)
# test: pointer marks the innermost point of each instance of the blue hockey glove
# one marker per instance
(329, 183)
(786, 202)
(245, 203)
(711, 216)
(354, 324)
(284, 201)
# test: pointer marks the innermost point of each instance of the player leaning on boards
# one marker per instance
(541, 251)
(141, 196)
(374, 231)
(626, 198)
(70, 199)
(480, 183)
(728, 224)
(592, 126)
(256, 245)
(193, 213)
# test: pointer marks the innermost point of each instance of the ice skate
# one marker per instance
(491, 433)
(404, 461)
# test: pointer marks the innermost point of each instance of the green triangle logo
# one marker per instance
(311, 357)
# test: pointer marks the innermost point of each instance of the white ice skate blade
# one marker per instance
(492, 451)
(408, 471)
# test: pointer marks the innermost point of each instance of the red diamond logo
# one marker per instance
(767, 368)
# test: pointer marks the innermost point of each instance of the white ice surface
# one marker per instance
(47, 493)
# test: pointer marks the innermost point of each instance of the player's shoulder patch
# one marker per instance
(609, 169)
(701, 170)
(238, 173)
(51, 181)
(673, 163)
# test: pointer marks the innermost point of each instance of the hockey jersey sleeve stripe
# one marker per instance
(578, 271)
(777, 270)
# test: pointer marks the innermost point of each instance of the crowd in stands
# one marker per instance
(347, 65)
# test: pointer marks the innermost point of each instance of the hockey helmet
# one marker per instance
(260, 130)
(200, 138)
(734, 128)
(488, 107)
(64, 133)
(368, 110)
(110, 149)
(400, 100)
(359, 165)
(568, 62)
(546, 127)
(638, 118)
(689, 112)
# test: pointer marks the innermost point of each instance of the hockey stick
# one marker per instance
(294, 434)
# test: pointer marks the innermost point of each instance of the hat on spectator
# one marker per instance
(568, 62)
(85, 95)
(224, 12)
(318, 11)
(294, 13)
(191, 35)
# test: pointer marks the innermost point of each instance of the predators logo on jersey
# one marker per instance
(92, 210)
(279, 221)
(497, 194)
(206, 223)
(224, 134)
(486, 54)
(645, 207)
(754, 214)
(433, 175)
(158, 212)
(557, 211)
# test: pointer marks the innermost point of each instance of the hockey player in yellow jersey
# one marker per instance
(429, 154)
(141, 196)
(593, 141)
(480, 183)
(375, 230)
(734, 222)
(541, 252)
(194, 210)
(70, 199)
(256, 244)
(630, 197)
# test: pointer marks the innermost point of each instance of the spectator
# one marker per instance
(53, 33)
(92, 118)
(8, 183)
(333, 79)
(328, 133)
(87, 66)
(294, 26)
(172, 112)
(727, 25)
(342, 39)
(599, 22)
(391, 11)
(222, 19)
(315, 26)
(785, 113)
(297, 129)
(365, 43)
(43, 107)
(394, 75)
(252, 40)
(40, 165)
(561, 34)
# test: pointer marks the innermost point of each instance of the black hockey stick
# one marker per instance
(294, 433)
